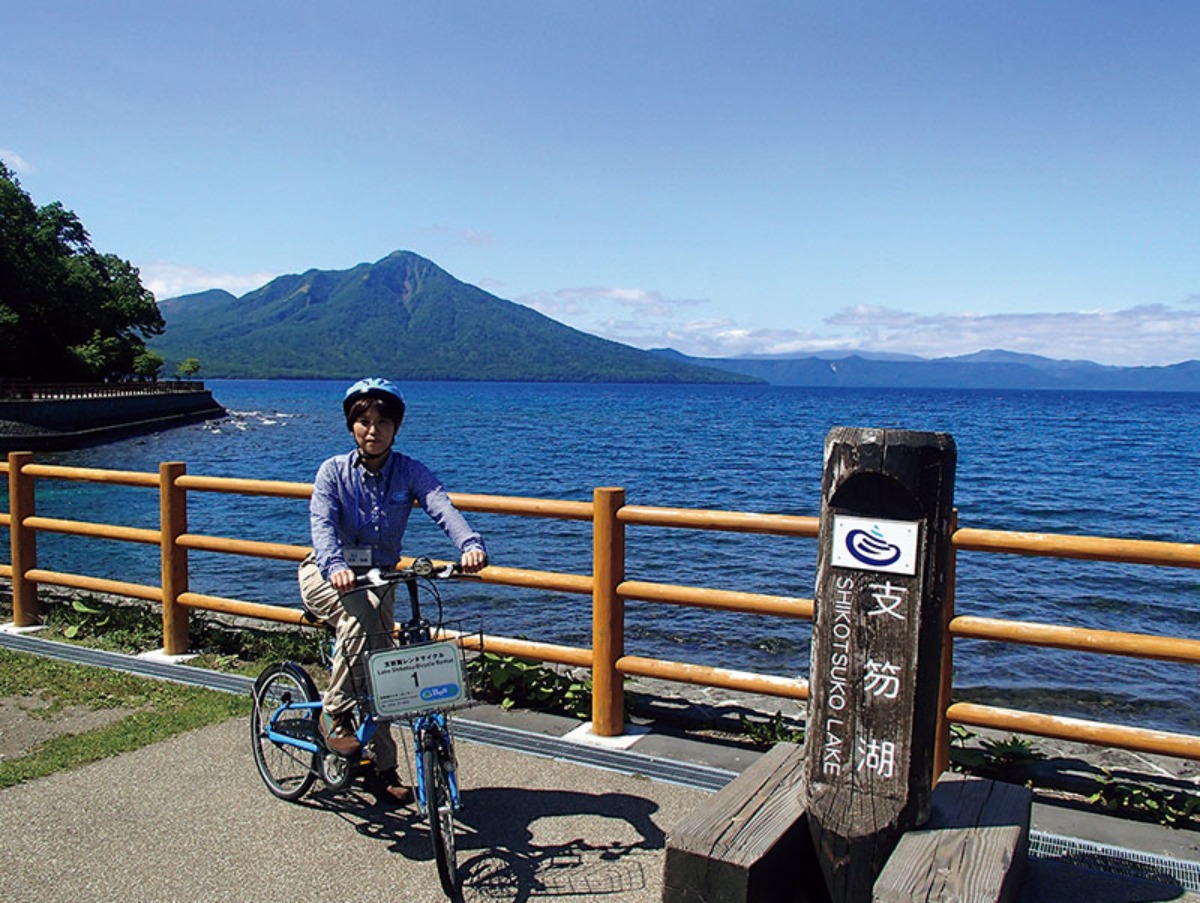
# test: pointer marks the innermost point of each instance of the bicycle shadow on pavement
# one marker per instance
(516, 844)
(403, 828)
(523, 843)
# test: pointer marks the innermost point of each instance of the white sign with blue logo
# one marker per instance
(411, 679)
(886, 546)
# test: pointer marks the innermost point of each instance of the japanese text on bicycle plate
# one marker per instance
(410, 679)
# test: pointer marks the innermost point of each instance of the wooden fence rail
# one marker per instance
(606, 584)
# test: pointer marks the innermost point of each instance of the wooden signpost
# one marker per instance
(820, 823)
(886, 515)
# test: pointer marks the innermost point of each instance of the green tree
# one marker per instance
(148, 364)
(67, 312)
(188, 367)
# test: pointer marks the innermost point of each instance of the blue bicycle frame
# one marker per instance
(421, 725)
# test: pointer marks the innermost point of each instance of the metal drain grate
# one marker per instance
(1115, 860)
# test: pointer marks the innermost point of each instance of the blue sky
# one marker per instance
(720, 177)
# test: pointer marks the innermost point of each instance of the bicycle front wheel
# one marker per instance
(286, 769)
(439, 807)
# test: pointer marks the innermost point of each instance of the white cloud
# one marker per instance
(577, 301)
(15, 161)
(1153, 334)
(1145, 335)
(169, 280)
(552, 305)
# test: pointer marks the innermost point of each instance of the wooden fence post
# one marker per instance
(608, 613)
(941, 757)
(886, 512)
(173, 524)
(21, 505)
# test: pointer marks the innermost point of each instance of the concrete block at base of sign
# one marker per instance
(748, 842)
(973, 848)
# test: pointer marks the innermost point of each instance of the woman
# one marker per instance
(360, 507)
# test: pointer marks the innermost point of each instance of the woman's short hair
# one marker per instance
(388, 409)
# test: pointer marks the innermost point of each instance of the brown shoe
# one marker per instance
(391, 789)
(341, 738)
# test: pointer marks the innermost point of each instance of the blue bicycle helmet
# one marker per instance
(374, 387)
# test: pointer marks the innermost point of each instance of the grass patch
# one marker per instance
(159, 710)
(130, 627)
(135, 627)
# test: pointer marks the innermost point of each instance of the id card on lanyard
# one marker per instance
(357, 556)
(361, 555)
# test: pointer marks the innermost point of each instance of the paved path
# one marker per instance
(189, 820)
(204, 828)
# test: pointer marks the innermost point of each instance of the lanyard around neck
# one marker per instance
(358, 477)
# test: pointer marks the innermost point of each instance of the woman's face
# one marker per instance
(373, 433)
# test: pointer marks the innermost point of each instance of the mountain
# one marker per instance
(408, 318)
(992, 369)
(402, 316)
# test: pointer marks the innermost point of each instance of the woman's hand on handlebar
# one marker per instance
(346, 581)
(343, 580)
(473, 560)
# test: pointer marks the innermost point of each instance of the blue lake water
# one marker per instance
(1108, 464)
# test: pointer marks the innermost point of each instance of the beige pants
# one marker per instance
(362, 621)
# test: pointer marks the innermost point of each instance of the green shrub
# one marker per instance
(1172, 808)
(512, 682)
(774, 730)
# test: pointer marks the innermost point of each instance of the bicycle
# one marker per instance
(419, 680)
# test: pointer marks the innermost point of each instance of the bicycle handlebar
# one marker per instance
(420, 569)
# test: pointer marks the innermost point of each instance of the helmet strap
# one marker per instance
(364, 458)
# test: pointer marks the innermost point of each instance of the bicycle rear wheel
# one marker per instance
(287, 770)
(439, 805)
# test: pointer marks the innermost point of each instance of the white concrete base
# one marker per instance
(10, 627)
(583, 734)
(158, 655)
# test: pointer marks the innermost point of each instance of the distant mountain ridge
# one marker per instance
(406, 317)
(992, 369)
(402, 316)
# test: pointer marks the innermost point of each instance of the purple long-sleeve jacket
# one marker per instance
(353, 507)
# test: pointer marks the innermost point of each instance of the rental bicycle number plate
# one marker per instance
(411, 679)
